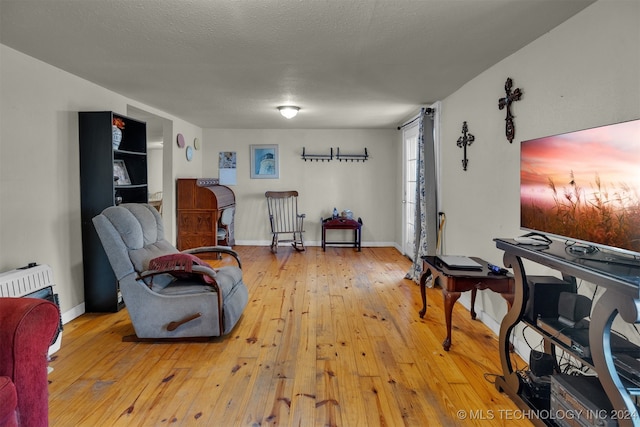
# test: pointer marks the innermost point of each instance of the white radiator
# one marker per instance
(36, 281)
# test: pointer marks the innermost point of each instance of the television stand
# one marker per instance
(621, 297)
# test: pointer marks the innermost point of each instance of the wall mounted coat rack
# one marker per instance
(329, 157)
(317, 157)
(352, 157)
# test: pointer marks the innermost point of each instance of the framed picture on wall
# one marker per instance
(120, 173)
(227, 166)
(264, 162)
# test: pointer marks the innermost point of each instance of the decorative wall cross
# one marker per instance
(463, 141)
(505, 102)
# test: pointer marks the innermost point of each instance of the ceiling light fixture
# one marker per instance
(288, 111)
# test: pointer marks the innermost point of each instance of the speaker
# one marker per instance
(544, 292)
(541, 364)
(572, 308)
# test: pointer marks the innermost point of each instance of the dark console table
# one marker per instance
(342, 224)
(620, 278)
(454, 282)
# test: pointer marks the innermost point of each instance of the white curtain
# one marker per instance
(426, 221)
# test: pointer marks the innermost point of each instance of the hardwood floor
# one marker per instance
(328, 339)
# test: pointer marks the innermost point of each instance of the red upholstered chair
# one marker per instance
(27, 328)
(8, 403)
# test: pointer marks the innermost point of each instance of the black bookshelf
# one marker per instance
(99, 190)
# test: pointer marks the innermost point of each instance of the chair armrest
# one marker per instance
(215, 249)
(195, 269)
(28, 326)
(198, 269)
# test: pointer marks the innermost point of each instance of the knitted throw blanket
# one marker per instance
(179, 265)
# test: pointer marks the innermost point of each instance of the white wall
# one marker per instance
(39, 166)
(154, 165)
(582, 74)
(176, 161)
(368, 188)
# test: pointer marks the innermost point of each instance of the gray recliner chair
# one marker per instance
(174, 300)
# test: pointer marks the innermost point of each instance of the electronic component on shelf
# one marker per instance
(541, 364)
(577, 339)
(532, 240)
(583, 395)
(572, 308)
(628, 367)
(535, 387)
(544, 293)
(496, 269)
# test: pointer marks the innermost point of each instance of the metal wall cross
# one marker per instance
(510, 129)
(463, 141)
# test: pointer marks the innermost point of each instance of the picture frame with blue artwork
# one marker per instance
(264, 161)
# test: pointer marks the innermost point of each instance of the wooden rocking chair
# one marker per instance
(285, 219)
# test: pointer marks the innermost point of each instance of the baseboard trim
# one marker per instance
(316, 243)
(75, 312)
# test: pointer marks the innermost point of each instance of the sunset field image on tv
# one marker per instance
(584, 187)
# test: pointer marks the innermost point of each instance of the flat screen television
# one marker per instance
(584, 187)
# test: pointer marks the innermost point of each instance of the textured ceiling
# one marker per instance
(229, 64)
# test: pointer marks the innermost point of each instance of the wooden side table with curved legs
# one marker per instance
(454, 282)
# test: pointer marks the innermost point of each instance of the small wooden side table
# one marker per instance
(342, 224)
(454, 282)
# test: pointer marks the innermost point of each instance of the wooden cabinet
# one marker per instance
(100, 163)
(200, 203)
